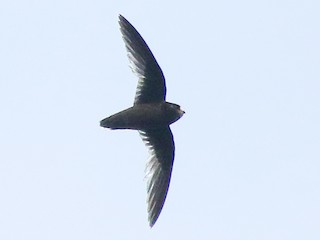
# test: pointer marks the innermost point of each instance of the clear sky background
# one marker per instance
(247, 163)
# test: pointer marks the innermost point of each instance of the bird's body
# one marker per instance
(151, 115)
(143, 117)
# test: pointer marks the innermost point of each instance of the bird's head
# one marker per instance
(176, 110)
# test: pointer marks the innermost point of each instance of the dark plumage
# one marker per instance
(151, 115)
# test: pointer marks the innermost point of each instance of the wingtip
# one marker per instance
(122, 19)
(151, 224)
(152, 221)
(153, 218)
(124, 23)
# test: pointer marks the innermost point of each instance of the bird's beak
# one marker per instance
(181, 112)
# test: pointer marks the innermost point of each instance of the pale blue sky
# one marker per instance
(247, 163)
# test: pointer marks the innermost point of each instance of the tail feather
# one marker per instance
(106, 123)
(111, 122)
(115, 122)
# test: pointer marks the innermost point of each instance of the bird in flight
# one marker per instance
(151, 115)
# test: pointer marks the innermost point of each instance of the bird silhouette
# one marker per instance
(151, 115)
